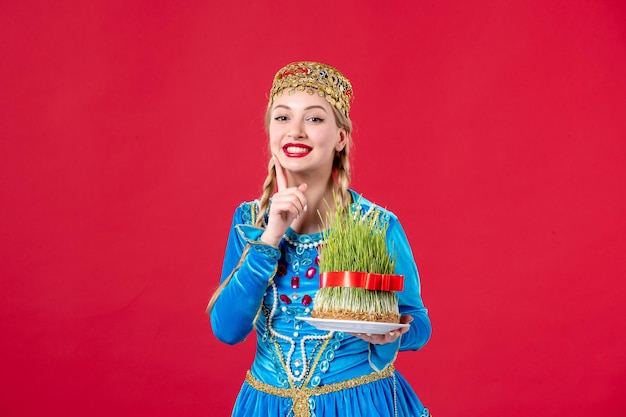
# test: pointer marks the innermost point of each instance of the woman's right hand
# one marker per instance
(287, 205)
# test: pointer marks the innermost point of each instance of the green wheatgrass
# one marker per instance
(356, 242)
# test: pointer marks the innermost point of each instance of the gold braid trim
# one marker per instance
(300, 396)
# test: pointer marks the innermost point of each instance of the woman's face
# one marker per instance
(303, 133)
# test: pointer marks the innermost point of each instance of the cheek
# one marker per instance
(274, 136)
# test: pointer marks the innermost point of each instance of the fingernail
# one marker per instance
(305, 207)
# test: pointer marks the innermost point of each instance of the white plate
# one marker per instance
(352, 326)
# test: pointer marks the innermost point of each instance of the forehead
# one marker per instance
(295, 99)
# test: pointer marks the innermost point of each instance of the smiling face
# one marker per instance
(303, 133)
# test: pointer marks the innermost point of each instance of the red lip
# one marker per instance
(296, 150)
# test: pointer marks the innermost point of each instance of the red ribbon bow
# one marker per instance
(367, 280)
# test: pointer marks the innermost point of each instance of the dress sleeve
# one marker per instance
(248, 266)
(410, 299)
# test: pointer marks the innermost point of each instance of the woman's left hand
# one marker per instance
(389, 337)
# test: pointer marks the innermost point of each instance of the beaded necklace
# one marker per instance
(287, 365)
(305, 242)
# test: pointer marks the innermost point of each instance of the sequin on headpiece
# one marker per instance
(328, 81)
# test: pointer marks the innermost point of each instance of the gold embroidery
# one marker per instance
(301, 396)
(330, 83)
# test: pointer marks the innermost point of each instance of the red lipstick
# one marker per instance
(296, 150)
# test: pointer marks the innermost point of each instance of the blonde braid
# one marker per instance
(269, 185)
(268, 188)
(341, 163)
(223, 285)
(341, 171)
(219, 289)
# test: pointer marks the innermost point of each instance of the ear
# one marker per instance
(342, 141)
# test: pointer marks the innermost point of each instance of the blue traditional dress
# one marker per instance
(300, 370)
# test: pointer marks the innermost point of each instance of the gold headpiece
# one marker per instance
(328, 81)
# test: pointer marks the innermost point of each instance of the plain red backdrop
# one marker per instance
(130, 130)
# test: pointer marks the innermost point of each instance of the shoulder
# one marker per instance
(247, 212)
(367, 207)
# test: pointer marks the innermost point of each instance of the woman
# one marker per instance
(270, 274)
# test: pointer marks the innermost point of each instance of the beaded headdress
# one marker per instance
(310, 76)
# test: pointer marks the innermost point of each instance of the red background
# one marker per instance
(130, 130)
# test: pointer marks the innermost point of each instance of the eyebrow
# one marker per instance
(306, 108)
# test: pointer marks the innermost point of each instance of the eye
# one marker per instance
(315, 119)
(280, 118)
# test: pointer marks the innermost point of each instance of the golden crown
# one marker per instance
(328, 81)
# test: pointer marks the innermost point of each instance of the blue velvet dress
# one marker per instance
(299, 370)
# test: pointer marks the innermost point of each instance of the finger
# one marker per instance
(291, 200)
(390, 336)
(281, 178)
(302, 188)
(406, 319)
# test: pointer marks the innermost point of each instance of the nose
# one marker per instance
(296, 129)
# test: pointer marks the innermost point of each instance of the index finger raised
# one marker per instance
(281, 179)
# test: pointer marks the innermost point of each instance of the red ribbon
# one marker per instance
(367, 280)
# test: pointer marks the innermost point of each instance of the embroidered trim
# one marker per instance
(265, 249)
(301, 396)
(395, 356)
